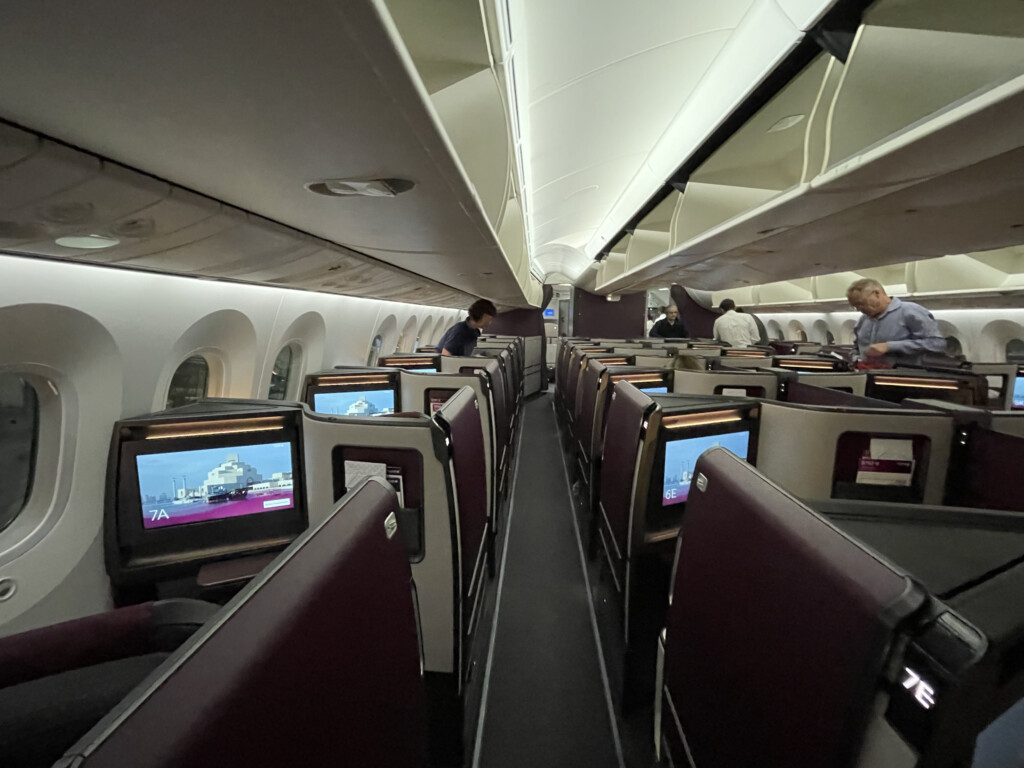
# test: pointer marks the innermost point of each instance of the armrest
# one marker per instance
(172, 622)
(74, 644)
(135, 630)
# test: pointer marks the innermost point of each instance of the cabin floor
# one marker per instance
(547, 700)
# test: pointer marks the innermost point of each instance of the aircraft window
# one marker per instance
(416, 344)
(371, 360)
(802, 335)
(830, 339)
(398, 344)
(1015, 351)
(953, 346)
(282, 373)
(19, 436)
(190, 382)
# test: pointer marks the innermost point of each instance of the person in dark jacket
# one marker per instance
(460, 339)
(670, 327)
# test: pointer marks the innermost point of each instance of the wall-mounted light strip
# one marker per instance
(743, 352)
(635, 378)
(706, 346)
(814, 365)
(610, 361)
(330, 381)
(203, 428)
(701, 419)
(882, 381)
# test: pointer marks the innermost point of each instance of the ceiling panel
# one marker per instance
(246, 103)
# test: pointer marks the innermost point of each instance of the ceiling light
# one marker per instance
(90, 242)
(360, 187)
(786, 122)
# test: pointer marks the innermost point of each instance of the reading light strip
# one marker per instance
(609, 361)
(635, 379)
(328, 381)
(743, 353)
(922, 383)
(700, 419)
(807, 364)
(226, 429)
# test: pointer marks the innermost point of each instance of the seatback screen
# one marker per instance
(1018, 392)
(364, 402)
(655, 390)
(194, 486)
(681, 457)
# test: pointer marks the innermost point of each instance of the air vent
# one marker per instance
(360, 187)
(67, 213)
(135, 228)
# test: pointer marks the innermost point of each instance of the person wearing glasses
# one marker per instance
(891, 330)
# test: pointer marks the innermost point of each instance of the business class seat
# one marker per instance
(778, 627)
(56, 682)
(316, 661)
(459, 418)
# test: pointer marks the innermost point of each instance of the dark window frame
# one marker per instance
(190, 390)
(279, 382)
(19, 488)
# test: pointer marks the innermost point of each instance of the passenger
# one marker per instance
(671, 327)
(460, 339)
(738, 330)
(762, 331)
(652, 318)
(891, 330)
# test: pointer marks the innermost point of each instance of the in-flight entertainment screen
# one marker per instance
(655, 390)
(366, 402)
(213, 483)
(1018, 392)
(681, 458)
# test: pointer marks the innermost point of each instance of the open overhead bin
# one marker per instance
(911, 149)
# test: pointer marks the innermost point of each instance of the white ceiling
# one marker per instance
(614, 96)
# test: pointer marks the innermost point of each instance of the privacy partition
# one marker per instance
(820, 452)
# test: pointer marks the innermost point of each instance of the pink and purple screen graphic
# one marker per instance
(214, 483)
(681, 458)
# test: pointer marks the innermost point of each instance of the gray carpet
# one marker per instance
(546, 704)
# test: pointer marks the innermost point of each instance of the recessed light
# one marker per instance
(787, 122)
(360, 187)
(87, 242)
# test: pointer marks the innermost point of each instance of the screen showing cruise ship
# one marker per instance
(373, 402)
(1018, 392)
(214, 483)
(681, 457)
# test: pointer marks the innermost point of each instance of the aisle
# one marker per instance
(546, 704)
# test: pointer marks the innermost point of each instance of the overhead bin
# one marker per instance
(904, 152)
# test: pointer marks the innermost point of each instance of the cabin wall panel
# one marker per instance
(75, 366)
(109, 340)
